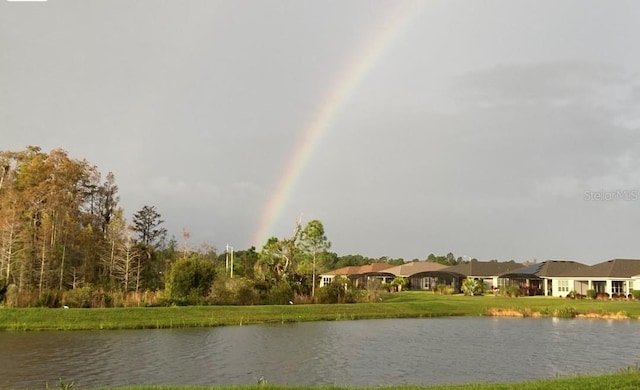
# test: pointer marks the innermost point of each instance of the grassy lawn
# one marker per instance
(618, 381)
(400, 305)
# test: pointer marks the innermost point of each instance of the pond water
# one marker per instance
(358, 353)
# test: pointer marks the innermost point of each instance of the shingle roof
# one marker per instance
(414, 267)
(546, 268)
(484, 268)
(359, 270)
(615, 268)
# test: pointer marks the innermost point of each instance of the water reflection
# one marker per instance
(375, 352)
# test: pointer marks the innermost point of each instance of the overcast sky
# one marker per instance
(491, 129)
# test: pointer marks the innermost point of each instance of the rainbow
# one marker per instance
(344, 87)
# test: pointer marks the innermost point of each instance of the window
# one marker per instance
(326, 280)
(563, 286)
(617, 287)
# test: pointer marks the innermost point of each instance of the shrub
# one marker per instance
(50, 298)
(190, 280)
(635, 294)
(443, 289)
(340, 290)
(11, 296)
(398, 283)
(280, 294)
(512, 290)
(78, 297)
(473, 287)
(591, 294)
(237, 291)
(247, 295)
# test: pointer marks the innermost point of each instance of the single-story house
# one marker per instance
(360, 275)
(487, 271)
(537, 279)
(612, 278)
(421, 275)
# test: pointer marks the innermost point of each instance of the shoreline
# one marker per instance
(397, 305)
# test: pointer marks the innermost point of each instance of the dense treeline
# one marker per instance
(64, 239)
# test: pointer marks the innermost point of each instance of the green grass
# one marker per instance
(619, 381)
(400, 305)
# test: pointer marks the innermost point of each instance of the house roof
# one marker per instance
(359, 270)
(349, 270)
(414, 267)
(546, 268)
(484, 268)
(615, 268)
(374, 267)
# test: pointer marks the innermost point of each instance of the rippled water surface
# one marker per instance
(372, 352)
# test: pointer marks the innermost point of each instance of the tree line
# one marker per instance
(63, 234)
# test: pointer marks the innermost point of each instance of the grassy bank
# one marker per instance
(619, 381)
(400, 305)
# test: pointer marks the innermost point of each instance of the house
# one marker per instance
(537, 279)
(421, 275)
(360, 275)
(487, 271)
(612, 278)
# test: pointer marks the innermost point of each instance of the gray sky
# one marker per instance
(489, 129)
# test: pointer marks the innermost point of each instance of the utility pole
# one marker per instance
(226, 260)
(228, 265)
(231, 262)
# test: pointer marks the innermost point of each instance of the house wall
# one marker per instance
(618, 286)
(326, 279)
(562, 287)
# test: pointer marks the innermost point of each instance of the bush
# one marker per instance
(473, 287)
(189, 281)
(280, 294)
(11, 296)
(512, 291)
(238, 291)
(635, 294)
(78, 297)
(591, 294)
(340, 290)
(444, 289)
(398, 283)
(50, 298)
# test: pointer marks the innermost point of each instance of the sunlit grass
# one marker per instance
(398, 305)
(623, 380)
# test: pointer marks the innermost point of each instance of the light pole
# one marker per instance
(229, 260)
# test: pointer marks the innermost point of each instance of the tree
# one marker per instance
(278, 258)
(146, 222)
(151, 235)
(314, 242)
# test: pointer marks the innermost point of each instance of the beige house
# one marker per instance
(613, 278)
(421, 275)
(360, 275)
(487, 271)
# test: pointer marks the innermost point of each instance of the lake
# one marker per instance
(357, 353)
